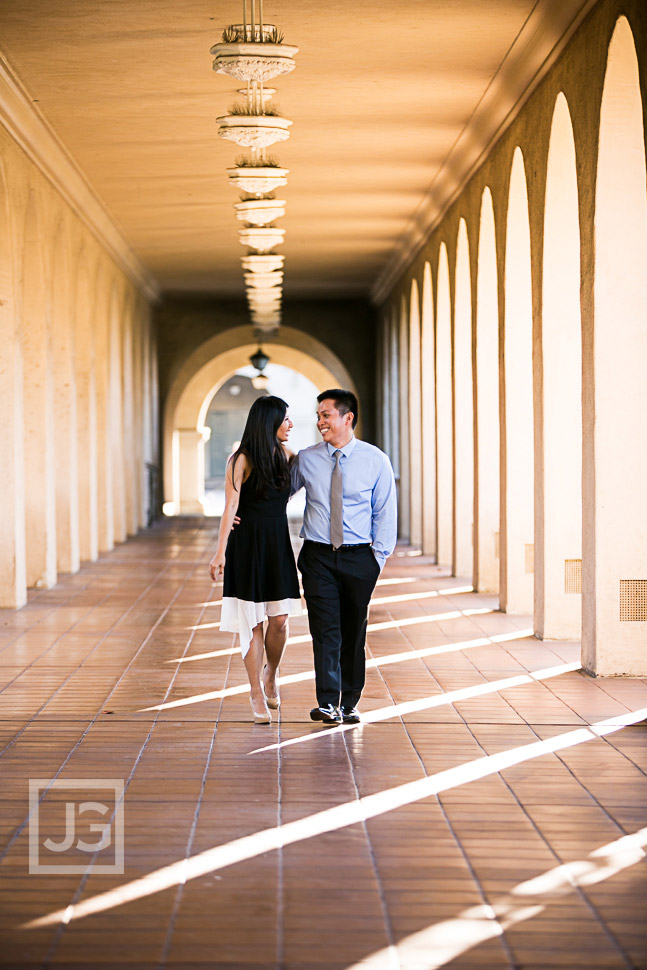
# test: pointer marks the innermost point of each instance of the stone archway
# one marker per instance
(614, 561)
(198, 380)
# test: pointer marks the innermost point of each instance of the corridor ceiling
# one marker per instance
(392, 104)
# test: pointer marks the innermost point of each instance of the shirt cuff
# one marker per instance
(380, 558)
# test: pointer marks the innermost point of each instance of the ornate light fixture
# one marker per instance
(263, 264)
(257, 180)
(260, 212)
(259, 360)
(263, 239)
(254, 52)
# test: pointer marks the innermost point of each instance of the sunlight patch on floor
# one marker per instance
(334, 819)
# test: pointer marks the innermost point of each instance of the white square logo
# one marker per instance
(77, 819)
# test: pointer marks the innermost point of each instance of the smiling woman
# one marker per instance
(255, 559)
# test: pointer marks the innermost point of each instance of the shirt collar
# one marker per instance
(346, 450)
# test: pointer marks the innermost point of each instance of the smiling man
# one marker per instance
(349, 528)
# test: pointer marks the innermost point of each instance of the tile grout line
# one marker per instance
(459, 845)
(60, 930)
(196, 815)
(65, 633)
(25, 821)
(579, 890)
(280, 872)
(394, 956)
(609, 933)
(85, 659)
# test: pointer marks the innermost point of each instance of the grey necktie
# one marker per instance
(336, 505)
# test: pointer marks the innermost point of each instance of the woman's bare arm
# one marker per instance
(233, 482)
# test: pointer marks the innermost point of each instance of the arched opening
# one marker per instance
(428, 403)
(415, 417)
(615, 522)
(226, 413)
(558, 546)
(487, 405)
(517, 526)
(404, 494)
(200, 378)
(463, 409)
(86, 412)
(38, 402)
(13, 582)
(444, 414)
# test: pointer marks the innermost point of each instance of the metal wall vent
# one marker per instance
(572, 575)
(633, 600)
(530, 558)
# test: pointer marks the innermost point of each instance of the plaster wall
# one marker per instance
(578, 76)
(60, 381)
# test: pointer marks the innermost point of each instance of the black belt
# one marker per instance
(346, 545)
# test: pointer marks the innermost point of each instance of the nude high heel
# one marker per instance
(260, 717)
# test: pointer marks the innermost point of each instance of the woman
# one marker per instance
(260, 576)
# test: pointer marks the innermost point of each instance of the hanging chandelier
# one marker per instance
(254, 52)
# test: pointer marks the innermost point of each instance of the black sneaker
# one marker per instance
(328, 714)
(350, 715)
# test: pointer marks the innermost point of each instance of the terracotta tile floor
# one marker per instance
(473, 820)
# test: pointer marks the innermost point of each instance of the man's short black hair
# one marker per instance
(345, 401)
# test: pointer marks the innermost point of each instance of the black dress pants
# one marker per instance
(338, 586)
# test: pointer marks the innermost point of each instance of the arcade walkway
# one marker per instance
(490, 811)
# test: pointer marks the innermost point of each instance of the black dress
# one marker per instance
(260, 573)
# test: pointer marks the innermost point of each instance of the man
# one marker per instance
(349, 528)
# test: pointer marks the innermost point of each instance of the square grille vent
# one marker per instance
(572, 575)
(633, 600)
(530, 558)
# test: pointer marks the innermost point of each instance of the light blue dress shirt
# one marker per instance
(370, 504)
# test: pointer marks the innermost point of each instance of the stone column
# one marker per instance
(428, 404)
(67, 491)
(104, 418)
(404, 511)
(394, 396)
(444, 418)
(86, 414)
(190, 450)
(385, 388)
(118, 414)
(487, 406)
(463, 411)
(415, 420)
(38, 404)
(13, 584)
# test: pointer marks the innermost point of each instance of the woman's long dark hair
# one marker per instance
(262, 448)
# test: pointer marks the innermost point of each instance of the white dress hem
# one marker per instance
(241, 616)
